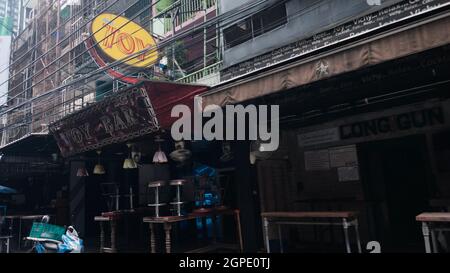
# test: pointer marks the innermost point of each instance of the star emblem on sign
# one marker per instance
(322, 69)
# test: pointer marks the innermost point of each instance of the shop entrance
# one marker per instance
(396, 181)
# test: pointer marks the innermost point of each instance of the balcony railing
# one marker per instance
(188, 9)
(201, 74)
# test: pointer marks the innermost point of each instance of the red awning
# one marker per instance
(164, 96)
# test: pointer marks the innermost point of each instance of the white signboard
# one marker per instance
(318, 137)
(348, 174)
(345, 156)
(317, 160)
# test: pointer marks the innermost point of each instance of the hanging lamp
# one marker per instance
(159, 157)
(99, 169)
(129, 163)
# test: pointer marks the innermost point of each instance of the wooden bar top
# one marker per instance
(310, 214)
(101, 219)
(117, 215)
(25, 217)
(433, 217)
(174, 219)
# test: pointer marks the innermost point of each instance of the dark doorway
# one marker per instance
(396, 175)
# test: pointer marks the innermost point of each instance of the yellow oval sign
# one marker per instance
(118, 38)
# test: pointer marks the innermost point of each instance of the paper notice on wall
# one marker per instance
(348, 174)
(345, 156)
(318, 137)
(317, 160)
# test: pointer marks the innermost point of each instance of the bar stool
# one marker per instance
(4, 238)
(130, 197)
(178, 203)
(156, 186)
(6, 241)
(111, 192)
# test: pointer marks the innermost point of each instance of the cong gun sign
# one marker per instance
(413, 120)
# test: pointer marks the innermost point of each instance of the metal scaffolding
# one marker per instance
(50, 54)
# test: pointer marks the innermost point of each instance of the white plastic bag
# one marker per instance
(71, 242)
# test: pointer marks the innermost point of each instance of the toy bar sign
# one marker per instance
(124, 116)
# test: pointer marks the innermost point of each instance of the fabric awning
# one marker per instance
(35, 143)
(378, 50)
(128, 114)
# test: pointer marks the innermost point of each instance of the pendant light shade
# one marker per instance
(181, 154)
(159, 157)
(99, 169)
(82, 172)
(129, 163)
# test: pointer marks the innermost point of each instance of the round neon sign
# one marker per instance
(118, 38)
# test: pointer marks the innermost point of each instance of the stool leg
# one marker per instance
(178, 200)
(426, 237)
(20, 234)
(152, 239)
(347, 240)
(102, 237)
(280, 238)
(7, 245)
(157, 202)
(358, 239)
(113, 236)
(266, 234)
(168, 228)
(239, 230)
(434, 241)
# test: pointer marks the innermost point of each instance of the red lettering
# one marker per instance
(126, 43)
(110, 36)
(140, 47)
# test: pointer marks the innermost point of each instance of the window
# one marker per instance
(258, 24)
(238, 33)
(273, 18)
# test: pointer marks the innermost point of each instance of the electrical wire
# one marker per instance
(190, 30)
(79, 55)
(55, 31)
(37, 59)
(226, 16)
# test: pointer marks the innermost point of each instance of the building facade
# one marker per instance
(363, 109)
(11, 9)
(362, 90)
(19, 12)
(54, 73)
(50, 53)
